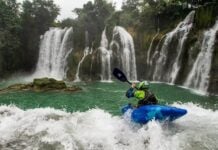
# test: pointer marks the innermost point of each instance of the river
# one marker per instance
(91, 120)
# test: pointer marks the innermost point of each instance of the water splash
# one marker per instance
(53, 54)
(47, 128)
(182, 31)
(199, 75)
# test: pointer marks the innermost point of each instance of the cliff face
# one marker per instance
(170, 42)
(214, 70)
(170, 55)
(196, 44)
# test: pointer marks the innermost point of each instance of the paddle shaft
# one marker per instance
(128, 82)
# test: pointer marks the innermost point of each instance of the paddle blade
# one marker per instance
(119, 75)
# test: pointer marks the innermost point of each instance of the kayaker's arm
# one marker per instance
(130, 92)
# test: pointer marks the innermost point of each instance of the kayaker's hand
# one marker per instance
(133, 85)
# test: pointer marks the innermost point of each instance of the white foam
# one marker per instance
(95, 129)
(106, 81)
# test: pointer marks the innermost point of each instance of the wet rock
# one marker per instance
(41, 84)
(48, 83)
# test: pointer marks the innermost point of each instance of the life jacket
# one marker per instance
(141, 94)
(146, 96)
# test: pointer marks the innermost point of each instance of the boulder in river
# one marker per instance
(41, 84)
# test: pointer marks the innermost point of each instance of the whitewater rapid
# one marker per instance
(95, 129)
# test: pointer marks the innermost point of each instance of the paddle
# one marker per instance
(120, 75)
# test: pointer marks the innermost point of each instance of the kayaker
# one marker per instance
(142, 93)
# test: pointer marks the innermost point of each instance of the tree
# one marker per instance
(68, 22)
(9, 36)
(37, 17)
(92, 18)
(131, 5)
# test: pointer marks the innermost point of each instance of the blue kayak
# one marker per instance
(147, 113)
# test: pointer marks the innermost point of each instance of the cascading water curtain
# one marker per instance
(106, 55)
(199, 75)
(162, 71)
(54, 50)
(126, 51)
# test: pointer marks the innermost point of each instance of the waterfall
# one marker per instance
(180, 32)
(105, 58)
(186, 29)
(199, 75)
(126, 51)
(86, 52)
(54, 49)
(150, 48)
(125, 54)
(153, 58)
(106, 65)
(155, 55)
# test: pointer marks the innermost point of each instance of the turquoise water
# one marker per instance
(107, 96)
(90, 120)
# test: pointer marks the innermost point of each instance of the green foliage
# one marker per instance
(149, 15)
(9, 40)
(20, 32)
(40, 14)
(36, 18)
(92, 18)
(206, 16)
(66, 23)
(128, 16)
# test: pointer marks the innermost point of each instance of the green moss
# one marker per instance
(41, 85)
(48, 83)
